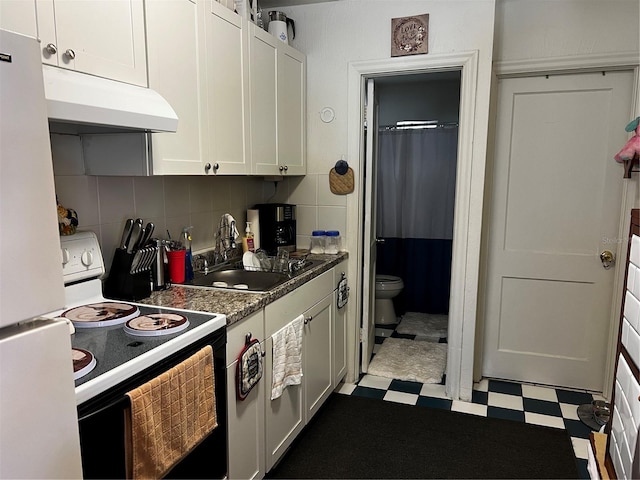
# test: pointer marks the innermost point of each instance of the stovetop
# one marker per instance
(118, 354)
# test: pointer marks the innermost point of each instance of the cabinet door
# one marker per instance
(101, 38)
(316, 354)
(225, 60)
(173, 72)
(246, 429)
(19, 16)
(284, 416)
(291, 110)
(263, 87)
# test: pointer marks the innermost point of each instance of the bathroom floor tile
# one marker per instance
(505, 387)
(542, 407)
(405, 386)
(372, 381)
(569, 411)
(468, 407)
(544, 420)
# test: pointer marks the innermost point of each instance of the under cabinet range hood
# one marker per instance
(83, 99)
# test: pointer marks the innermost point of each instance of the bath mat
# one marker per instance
(404, 359)
(425, 326)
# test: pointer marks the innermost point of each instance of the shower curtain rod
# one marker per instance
(418, 125)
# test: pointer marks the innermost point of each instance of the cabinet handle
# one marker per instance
(286, 168)
(308, 319)
(281, 168)
(70, 54)
(207, 167)
(216, 167)
(51, 49)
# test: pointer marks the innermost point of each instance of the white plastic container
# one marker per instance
(333, 243)
(318, 240)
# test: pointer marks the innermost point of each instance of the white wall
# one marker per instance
(336, 33)
(532, 29)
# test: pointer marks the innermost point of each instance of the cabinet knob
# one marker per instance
(308, 319)
(281, 168)
(51, 49)
(207, 167)
(216, 166)
(286, 168)
(70, 54)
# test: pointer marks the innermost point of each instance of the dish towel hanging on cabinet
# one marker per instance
(169, 416)
(287, 357)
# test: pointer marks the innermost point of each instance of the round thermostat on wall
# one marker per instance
(327, 114)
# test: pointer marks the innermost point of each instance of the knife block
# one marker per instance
(124, 285)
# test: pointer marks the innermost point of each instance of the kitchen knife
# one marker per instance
(146, 235)
(126, 233)
(135, 235)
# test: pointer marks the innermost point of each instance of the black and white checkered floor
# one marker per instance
(540, 405)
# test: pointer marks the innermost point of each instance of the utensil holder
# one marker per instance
(124, 285)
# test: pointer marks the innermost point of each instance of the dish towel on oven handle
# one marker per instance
(287, 357)
(169, 416)
(249, 368)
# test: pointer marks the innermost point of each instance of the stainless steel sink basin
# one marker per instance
(246, 280)
(240, 280)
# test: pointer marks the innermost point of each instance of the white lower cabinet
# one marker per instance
(260, 429)
(245, 417)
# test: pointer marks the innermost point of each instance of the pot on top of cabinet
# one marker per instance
(278, 26)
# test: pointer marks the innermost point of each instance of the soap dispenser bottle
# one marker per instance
(247, 240)
(188, 258)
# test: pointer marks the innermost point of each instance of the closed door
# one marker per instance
(555, 207)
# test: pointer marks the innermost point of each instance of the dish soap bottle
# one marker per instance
(247, 240)
(188, 258)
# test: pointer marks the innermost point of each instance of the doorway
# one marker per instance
(468, 204)
(414, 155)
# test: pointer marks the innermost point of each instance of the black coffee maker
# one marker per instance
(277, 227)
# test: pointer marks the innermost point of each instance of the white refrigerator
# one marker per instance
(38, 418)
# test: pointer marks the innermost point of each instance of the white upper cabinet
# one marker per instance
(277, 74)
(264, 93)
(291, 110)
(102, 38)
(224, 67)
(174, 73)
(19, 16)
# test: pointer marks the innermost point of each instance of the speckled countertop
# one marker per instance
(237, 305)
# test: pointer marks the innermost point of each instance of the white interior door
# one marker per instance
(555, 207)
(369, 238)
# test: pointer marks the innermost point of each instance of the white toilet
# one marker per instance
(387, 287)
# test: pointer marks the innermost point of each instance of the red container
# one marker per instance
(176, 265)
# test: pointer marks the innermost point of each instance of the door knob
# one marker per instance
(608, 259)
(379, 240)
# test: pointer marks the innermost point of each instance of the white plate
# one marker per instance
(250, 261)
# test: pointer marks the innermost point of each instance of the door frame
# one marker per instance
(466, 229)
(630, 187)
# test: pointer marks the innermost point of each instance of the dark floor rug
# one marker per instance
(357, 437)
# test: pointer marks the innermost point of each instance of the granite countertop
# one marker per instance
(237, 305)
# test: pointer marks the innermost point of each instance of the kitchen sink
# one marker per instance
(246, 280)
(240, 280)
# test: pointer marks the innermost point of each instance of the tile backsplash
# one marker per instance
(103, 203)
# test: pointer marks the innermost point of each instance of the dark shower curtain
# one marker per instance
(415, 208)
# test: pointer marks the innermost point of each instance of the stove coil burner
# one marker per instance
(102, 314)
(83, 362)
(155, 324)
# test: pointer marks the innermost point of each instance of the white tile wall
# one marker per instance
(171, 202)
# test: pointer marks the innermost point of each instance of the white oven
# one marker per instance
(118, 346)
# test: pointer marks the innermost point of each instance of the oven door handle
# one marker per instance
(112, 404)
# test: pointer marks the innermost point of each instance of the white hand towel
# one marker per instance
(287, 357)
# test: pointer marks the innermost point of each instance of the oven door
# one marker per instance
(102, 430)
